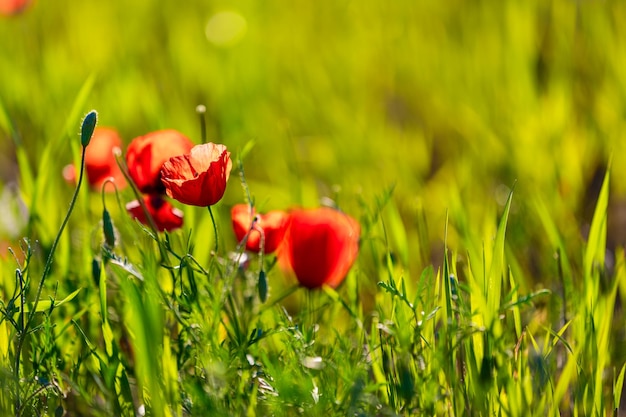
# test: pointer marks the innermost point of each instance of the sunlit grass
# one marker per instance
(480, 148)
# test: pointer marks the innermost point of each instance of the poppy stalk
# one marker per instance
(100, 164)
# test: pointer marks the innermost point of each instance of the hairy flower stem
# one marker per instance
(155, 231)
(214, 228)
(31, 314)
(20, 329)
(201, 110)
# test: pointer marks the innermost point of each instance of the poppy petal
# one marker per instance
(198, 178)
(319, 246)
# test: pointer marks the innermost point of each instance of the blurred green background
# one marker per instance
(452, 102)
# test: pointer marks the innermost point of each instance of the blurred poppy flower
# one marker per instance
(146, 154)
(269, 227)
(4, 249)
(165, 216)
(199, 177)
(11, 7)
(100, 160)
(319, 246)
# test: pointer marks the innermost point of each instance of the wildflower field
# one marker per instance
(339, 208)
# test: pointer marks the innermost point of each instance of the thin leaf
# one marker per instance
(496, 272)
(45, 305)
(596, 243)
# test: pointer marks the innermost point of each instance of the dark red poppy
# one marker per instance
(11, 7)
(199, 177)
(100, 163)
(146, 154)
(319, 246)
(265, 230)
(165, 216)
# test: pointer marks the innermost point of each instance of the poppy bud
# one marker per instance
(100, 160)
(95, 271)
(107, 228)
(262, 286)
(87, 128)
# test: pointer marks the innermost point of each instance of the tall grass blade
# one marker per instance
(497, 270)
(596, 245)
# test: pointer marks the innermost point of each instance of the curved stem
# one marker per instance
(151, 223)
(46, 271)
(111, 181)
(48, 265)
(124, 169)
(214, 228)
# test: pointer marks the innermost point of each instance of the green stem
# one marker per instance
(111, 181)
(214, 228)
(124, 169)
(201, 110)
(48, 265)
(46, 271)
(151, 223)
(20, 328)
(280, 298)
(309, 318)
(244, 183)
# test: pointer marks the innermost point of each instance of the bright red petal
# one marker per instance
(199, 178)
(320, 246)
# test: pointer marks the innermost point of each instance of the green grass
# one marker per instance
(480, 147)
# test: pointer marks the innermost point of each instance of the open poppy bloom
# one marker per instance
(100, 163)
(263, 230)
(199, 177)
(10, 7)
(165, 216)
(146, 154)
(319, 246)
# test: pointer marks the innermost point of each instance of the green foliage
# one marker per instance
(491, 274)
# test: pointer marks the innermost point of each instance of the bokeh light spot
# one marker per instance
(226, 28)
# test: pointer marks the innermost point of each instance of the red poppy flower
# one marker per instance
(319, 246)
(10, 7)
(270, 225)
(100, 160)
(165, 216)
(199, 177)
(146, 154)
